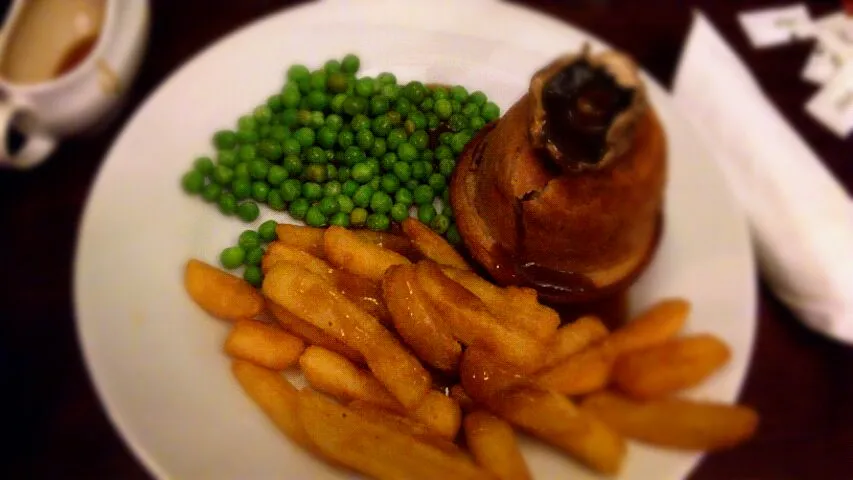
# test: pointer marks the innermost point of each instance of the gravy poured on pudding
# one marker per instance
(50, 38)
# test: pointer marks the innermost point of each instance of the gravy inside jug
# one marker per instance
(50, 38)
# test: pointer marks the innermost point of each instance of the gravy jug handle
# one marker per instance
(37, 143)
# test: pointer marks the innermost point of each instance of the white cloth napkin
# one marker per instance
(800, 218)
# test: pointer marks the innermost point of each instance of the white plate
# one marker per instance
(156, 359)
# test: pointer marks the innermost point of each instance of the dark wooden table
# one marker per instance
(54, 427)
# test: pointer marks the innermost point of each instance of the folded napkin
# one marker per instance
(800, 218)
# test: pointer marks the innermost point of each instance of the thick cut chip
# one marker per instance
(493, 443)
(263, 344)
(431, 245)
(221, 294)
(311, 334)
(307, 239)
(347, 251)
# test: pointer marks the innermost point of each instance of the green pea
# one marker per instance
(269, 149)
(455, 106)
(437, 182)
(387, 161)
(381, 125)
(353, 156)
(203, 165)
(290, 96)
(275, 103)
(329, 206)
(319, 78)
(262, 114)
(336, 104)
(452, 235)
(315, 173)
(427, 105)
(357, 216)
(390, 183)
(443, 152)
(211, 192)
(227, 203)
(364, 139)
(378, 222)
(343, 174)
(415, 92)
(445, 201)
(314, 217)
(305, 136)
(337, 82)
(380, 146)
(364, 87)
(298, 208)
(350, 63)
(334, 122)
(247, 122)
(395, 118)
(253, 275)
(331, 170)
(232, 257)
(403, 106)
(248, 211)
(340, 219)
(297, 72)
(426, 212)
(260, 190)
(428, 169)
(278, 134)
(443, 108)
(380, 202)
(402, 170)
(266, 231)
(254, 256)
(193, 181)
(386, 78)
(419, 139)
(345, 203)
(346, 139)
(226, 157)
(354, 105)
(316, 120)
(360, 122)
(390, 91)
(399, 212)
(411, 185)
(224, 139)
(457, 122)
(490, 111)
(423, 195)
(457, 144)
(470, 110)
(312, 191)
(478, 98)
(361, 197)
(375, 167)
(331, 188)
(446, 166)
(275, 201)
(439, 224)
(349, 187)
(317, 100)
(326, 138)
(241, 188)
(395, 138)
(315, 154)
(290, 189)
(444, 138)
(249, 239)
(418, 171)
(379, 105)
(289, 117)
(432, 121)
(258, 169)
(247, 153)
(458, 93)
(418, 120)
(476, 123)
(361, 172)
(404, 196)
(373, 183)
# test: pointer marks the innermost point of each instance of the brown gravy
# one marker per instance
(50, 38)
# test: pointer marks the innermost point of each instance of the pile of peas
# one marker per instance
(332, 148)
